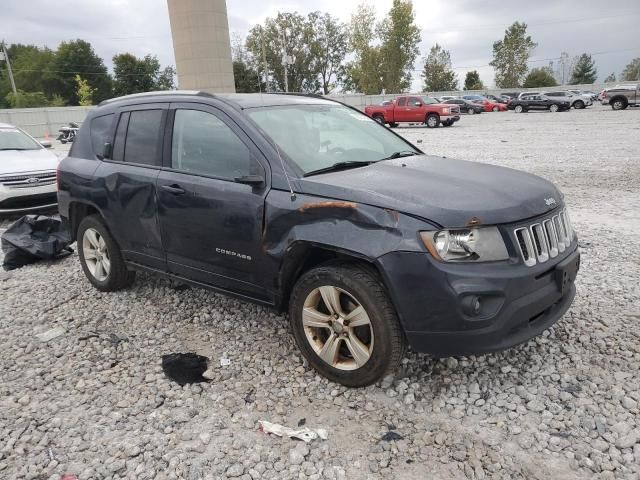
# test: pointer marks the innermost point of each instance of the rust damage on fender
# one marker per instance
(474, 221)
(311, 206)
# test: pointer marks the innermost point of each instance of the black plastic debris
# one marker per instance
(185, 368)
(391, 436)
(33, 238)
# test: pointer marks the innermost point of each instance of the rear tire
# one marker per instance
(619, 104)
(393, 124)
(327, 340)
(579, 104)
(471, 111)
(100, 256)
(553, 108)
(518, 109)
(432, 120)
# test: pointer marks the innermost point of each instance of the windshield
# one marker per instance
(11, 139)
(429, 100)
(319, 136)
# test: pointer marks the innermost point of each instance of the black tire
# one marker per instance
(119, 276)
(579, 104)
(554, 107)
(388, 344)
(471, 111)
(432, 120)
(619, 103)
(519, 109)
(393, 124)
(379, 118)
(447, 123)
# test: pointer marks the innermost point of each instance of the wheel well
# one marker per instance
(77, 212)
(301, 258)
(619, 97)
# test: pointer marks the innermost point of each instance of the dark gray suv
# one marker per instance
(307, 205)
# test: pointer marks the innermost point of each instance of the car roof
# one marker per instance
(238, 100)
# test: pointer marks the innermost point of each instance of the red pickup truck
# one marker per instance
(414, 109)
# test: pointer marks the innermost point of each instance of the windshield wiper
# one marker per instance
(340, 166)
(402, 153)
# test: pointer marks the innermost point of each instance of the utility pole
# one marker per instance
(5, 55)
(264, 61)
(285, 60)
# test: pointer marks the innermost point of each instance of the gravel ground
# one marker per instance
(94, 402)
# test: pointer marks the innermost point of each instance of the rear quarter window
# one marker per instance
(100, 132)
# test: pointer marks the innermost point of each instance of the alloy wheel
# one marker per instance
(96, 254)
(518, 109)
(553, 108)
(337, 327)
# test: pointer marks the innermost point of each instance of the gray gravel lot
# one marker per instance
(94, 401)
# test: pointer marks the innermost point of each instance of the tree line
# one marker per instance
(74, 74)
(318, 52)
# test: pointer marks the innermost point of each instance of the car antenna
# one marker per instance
(275, 145)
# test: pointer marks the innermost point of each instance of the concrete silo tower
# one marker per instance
(200, 31)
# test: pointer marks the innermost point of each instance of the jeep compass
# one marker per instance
(309, 206)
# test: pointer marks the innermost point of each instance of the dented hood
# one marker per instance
(448, 192)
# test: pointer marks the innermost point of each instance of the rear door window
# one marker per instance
(143, 137)
(413, 101)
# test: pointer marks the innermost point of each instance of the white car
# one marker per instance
(577, 101)
(27, 172)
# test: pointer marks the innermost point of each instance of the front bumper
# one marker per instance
(518, 302)
(31, 199)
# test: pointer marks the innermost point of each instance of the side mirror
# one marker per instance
(418, 104)
(46, 143)
(106, 151)
(253, 180)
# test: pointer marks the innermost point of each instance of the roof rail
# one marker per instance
(154, 94)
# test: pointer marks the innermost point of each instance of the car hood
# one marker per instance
(23, 161)
(451, 193)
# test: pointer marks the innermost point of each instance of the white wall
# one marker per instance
(42, 121)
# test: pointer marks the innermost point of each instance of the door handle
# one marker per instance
(174, 189)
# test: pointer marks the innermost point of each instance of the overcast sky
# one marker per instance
(468, 28)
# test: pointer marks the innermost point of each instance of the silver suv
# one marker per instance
(576, 101)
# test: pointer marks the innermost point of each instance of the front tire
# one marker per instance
(345, 325)
(379, 119)
(101, 258)
(432, 120)
(471, 111)
(518, 109)
(553, 108)
(495, 109)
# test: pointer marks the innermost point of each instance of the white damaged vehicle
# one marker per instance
(27, 172)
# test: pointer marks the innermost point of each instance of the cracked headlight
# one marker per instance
(484, 244)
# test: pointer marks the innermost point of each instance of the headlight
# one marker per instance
(446, 110)
(484, 244)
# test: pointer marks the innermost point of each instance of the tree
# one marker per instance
(472, 81)
(611, 78)
(77, 57)
(135, 75)
(328, 48)
(363, 73)
(437, 74)
(22, 99)
(632, 71)
(585, 70)
(511, 54)
(288, 34)
(540, 77)
(247, 79)
(84, 92)
(400, 37)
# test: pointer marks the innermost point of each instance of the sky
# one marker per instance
(467, 28)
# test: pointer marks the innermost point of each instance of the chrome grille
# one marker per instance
(543, 240)
(28, 180)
